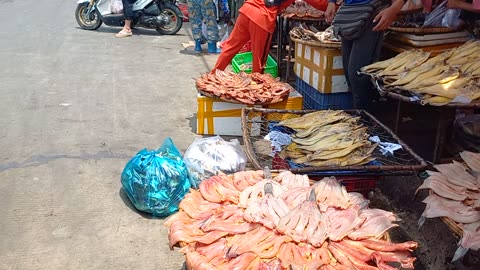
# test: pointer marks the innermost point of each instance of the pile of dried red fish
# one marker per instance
(255, 88)
(244, 221)
(302, 9)
(456, 195)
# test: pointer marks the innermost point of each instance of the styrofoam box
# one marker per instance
(224, 118)
(312, 64)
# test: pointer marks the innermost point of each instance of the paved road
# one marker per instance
(75, 105)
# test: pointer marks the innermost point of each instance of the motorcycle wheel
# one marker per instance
(175, 23)
(92, 22)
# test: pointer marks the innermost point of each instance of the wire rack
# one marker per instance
(410, 97)
(258, 122)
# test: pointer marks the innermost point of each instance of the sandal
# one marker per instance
(123, 34)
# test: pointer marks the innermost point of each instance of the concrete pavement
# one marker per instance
(75, 106)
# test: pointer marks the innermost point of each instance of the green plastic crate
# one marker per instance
(243, 58)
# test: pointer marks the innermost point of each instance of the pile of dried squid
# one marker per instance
(452, 76)
(255, 88)
(249, 221)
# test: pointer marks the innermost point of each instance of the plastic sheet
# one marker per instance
(434, 18)
(116, 6)
(452, 18)
(208, 156)
(156, 181)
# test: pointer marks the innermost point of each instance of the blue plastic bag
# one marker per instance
(156, 181)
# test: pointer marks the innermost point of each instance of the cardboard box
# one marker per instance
(217, 117)
(320, 67)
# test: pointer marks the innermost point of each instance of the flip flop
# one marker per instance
(123, 34)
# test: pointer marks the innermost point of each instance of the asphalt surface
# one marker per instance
(75, 106)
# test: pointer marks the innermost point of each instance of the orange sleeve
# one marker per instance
(318, 4)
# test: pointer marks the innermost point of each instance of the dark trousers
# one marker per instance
(128, 9)
(355, 55)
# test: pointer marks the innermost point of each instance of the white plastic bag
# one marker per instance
(225, 37)
(205, 157)
(452, 18)
(434, 18)
(116, 6)
(204, 30)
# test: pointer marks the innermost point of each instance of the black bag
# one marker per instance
(272, 3)
(352, 20)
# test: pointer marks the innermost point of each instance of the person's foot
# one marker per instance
(212, 48)
(124, 33)
(198, 46)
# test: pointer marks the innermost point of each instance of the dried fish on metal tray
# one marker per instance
(328, 138)
(452, 76)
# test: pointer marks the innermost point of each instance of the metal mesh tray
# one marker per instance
(257, 122)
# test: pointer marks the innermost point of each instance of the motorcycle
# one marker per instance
(161, 15)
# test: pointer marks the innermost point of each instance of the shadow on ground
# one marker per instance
(128, 203)
(136, 31)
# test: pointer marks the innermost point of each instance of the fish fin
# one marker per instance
(459, 253)
(421, 221)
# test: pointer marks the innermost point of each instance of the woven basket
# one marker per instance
(420, 30)
(256, 124)
(332, 45)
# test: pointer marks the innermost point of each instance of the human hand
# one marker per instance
(386, 17)
(330, 12)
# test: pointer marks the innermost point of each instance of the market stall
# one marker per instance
(303, 203)
(222, 96)
(299, 13)
(447, 81)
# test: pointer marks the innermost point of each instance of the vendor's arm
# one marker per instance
(386, 17)
(330, 12)
(462, 5)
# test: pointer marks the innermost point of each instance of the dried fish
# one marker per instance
(245, 88)
(287, 224)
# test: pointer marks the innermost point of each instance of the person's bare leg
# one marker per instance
(127, 26)
(126, 30)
